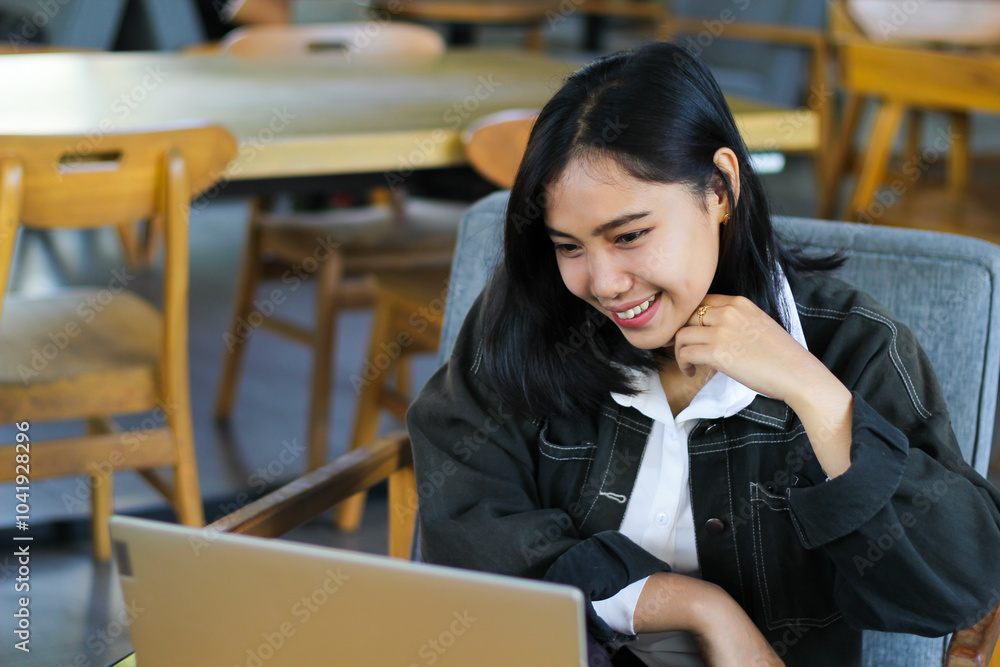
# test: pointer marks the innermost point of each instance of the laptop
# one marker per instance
(198, 597)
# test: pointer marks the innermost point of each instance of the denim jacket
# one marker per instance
(906, 540)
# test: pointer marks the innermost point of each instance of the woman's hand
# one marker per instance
(725, 635)
(737, 338)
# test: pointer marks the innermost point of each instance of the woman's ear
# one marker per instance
(726, 161)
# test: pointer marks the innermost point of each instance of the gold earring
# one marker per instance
(725, 219)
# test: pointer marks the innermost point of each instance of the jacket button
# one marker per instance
(715, 526)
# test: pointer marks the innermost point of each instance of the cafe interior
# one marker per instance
(283, 189)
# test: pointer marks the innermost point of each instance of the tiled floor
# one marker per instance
(76, 606)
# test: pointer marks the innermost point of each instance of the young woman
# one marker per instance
(657, 401)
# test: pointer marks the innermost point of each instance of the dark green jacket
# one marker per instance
(907, 540)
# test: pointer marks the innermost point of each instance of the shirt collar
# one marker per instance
(721, 396)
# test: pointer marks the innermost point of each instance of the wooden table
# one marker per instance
(297, 118)
(293, 117)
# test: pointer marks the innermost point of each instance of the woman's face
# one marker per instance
(643, 254)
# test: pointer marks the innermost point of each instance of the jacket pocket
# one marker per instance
(583, 450)
(794, 584)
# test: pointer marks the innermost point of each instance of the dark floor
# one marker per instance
(75, 603)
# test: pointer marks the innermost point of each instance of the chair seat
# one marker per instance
(370, 238)
(76, 342)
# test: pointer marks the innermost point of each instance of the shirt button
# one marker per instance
(662, 518)
(715, 526)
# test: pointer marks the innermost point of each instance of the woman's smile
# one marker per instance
(638, 315)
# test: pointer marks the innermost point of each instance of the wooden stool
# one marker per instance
(409, 315)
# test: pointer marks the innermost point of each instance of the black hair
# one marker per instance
(658, 113)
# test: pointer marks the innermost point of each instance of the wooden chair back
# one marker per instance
(495, 144)
(112, 179)
(335, 40)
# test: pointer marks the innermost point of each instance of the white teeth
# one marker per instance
(632, 312)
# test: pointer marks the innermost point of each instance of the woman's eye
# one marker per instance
(631, 237)
(566, 248)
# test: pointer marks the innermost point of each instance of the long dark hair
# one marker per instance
(658, 113)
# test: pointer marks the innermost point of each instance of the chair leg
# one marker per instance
(236, 339)
(187, 490)
(101, 497)
(128, 236)
(348, 513)
(101, 508)
(958, 165)
(324, 341)
(841, 150)
(876, 157)
(402, 512)
(153, 233)
(914, 135)
(403, 376)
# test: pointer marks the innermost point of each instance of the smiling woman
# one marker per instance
(707, 461)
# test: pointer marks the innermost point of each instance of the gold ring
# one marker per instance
(701, 314)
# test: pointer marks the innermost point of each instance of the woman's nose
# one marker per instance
(608, 277)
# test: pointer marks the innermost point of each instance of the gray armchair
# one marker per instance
(946, 288)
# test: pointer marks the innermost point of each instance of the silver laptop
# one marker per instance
(206, 598)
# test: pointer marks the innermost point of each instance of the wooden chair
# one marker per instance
(341, 248)
(968, 370)
(90, 353)
(906, 80)
(494, 144)
(409, 308)
(409, 315)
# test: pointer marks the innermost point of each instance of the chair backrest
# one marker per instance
(92, 180)
(338, 41)
(494, 144)
(111, 179)
(945, 288)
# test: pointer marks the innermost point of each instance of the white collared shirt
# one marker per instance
(658, 516)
